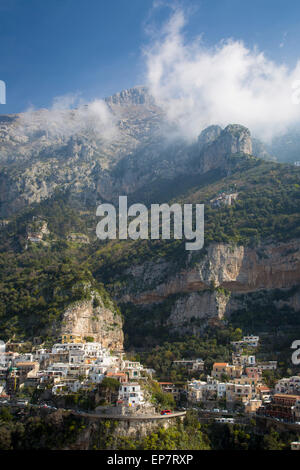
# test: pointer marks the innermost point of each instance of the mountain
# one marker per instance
(57, 165)
(44, 151)
(286, 147)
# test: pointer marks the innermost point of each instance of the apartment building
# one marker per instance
(290, 385)
(130, 394)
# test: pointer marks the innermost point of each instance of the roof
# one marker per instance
(221, 364)
(165, 383)
(116, 373)
(26, 363)
(129, 384)
(285, 395)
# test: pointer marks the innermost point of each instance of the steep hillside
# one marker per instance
(251, 247)
(53, 267)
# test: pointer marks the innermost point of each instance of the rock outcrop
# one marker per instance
(217, 145)
(216, 285)
(90, 318)
(236, 268)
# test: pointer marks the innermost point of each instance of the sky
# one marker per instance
(95, 48)
(205, 61)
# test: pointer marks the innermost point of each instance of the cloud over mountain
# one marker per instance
(198, 86)
(69, 116)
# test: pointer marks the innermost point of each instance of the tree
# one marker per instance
(272, 441)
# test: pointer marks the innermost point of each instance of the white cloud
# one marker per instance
(69, 116)
(198, 86)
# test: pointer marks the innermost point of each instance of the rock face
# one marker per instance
(216, 145)
(46, 150)
(201, 305)
(216, 285)
(209, 135)
(100, 323)
(235, 268)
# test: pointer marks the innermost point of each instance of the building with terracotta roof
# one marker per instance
(120, 376)
(282, 406)
(219, 368)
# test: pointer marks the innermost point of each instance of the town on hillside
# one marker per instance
(78, 367)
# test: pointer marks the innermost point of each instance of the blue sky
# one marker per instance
(50, 48)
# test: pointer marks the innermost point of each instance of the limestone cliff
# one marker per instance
(91, 318)
(216, 145)
(217, 284)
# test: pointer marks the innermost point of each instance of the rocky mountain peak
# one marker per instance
(238, 138)
(209, 134)
(235, 138)
(138, 95)
(217, 144)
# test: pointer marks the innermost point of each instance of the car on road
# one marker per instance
(166, 412)
(216, 410)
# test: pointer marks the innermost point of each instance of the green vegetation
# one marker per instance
(55, 431)
(37, 283)
(37, 286)
(159, 398)
(214, 345)
(34, 432)
(247, 437)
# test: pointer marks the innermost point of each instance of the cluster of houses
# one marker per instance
(69, 366)
(74, 364)
(240, 381)
(285, 403)
(224, 199)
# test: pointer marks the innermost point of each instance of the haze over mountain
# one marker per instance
(103, 149)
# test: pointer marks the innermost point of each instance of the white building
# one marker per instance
(77, 356)
(196, 390)
(221, 390)
(251, 340)
(96, 373)
(27, 357)
(61, 347)
(94, 349)
(66, 385)
(41, 354)
(270, 365)
(290, 385)
(131, 394)
(8, 358)
(59, 369)
(132, 368)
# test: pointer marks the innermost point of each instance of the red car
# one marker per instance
(166, 412)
